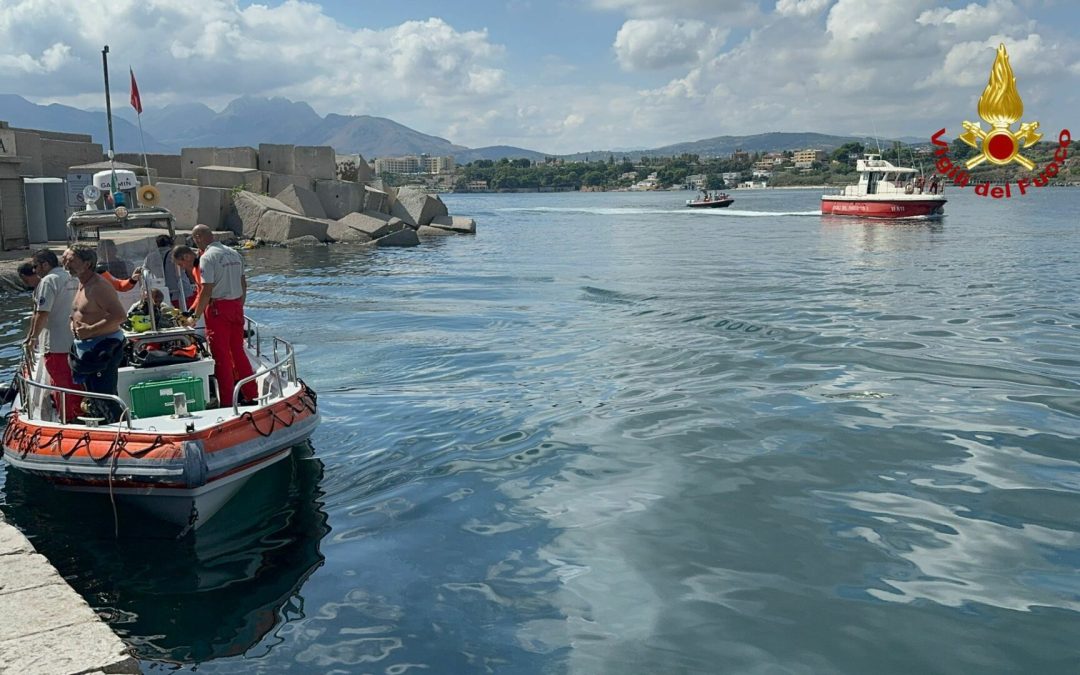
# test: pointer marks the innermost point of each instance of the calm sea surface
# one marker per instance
(611, 435)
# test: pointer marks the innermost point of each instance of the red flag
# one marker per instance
(136, 102)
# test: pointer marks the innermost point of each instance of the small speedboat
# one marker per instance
(173, 452)
(715, 201)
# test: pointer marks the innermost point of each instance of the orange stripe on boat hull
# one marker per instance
(25, 438)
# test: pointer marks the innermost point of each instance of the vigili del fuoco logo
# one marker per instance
(1000, 106)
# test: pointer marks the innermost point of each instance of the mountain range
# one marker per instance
(279, 120)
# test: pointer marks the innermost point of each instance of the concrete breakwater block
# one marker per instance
(305, 240)
(304, 202)
(373, 224)
(376, 200)
(429, 231)
(231, 177)
(277, 158)
(403, 237)
(417, 207)
(191, 205)
(339, 198)
(459, 224)
(167, 166)
(276, 182)
(340, 230)
(317, 161)
(277, 227)
(191, 159)
(242, 157)
(248, 208)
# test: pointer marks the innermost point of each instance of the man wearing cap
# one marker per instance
(50, 325)
(28, 275)
(221, 302)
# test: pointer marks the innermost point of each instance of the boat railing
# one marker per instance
(284, 368)
(125, 414)
(251, 332)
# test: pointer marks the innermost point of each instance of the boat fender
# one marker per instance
(195, 469)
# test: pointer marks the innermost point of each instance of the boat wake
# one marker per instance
(626, 211)
(738, 213)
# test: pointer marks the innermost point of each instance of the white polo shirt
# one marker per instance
(223, 267)
(55, 294)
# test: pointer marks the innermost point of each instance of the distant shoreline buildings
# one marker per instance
(414, 164)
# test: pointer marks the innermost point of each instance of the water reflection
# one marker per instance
(884, 236)
(218, 592)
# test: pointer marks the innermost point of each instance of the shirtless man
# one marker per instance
(96, 316)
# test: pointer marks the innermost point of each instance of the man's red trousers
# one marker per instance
(225, 332)
(56, 365)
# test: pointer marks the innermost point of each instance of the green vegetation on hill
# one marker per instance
(837, 168)
(609, 173)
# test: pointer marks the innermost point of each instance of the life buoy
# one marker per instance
(148, 195)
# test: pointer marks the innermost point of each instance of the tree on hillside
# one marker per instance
(844, 153)
(348, 170)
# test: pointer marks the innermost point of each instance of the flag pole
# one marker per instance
(108, 114)
(142, 141)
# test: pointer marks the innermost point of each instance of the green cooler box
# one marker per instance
(150, 399)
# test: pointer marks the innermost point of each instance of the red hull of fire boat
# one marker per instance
(906, 208)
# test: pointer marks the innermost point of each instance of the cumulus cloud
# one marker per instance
(800, 7)
(681, 8)
(903, 69)
(50, 60)
(793, 65)
(974, 16)
(649, 44)
(215, 50)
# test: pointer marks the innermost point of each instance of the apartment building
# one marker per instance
(804, 159)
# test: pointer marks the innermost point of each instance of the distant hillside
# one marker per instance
(496, 152)
(247, 120)
(19, 112)
(723, 146)
(251, 120)
(377, 137)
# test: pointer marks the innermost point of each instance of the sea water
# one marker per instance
(609, 434)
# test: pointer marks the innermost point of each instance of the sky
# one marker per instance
(563, 76)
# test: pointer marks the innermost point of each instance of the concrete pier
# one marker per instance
(47, 627)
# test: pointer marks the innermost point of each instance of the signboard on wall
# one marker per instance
(75, 184)
(7, 143)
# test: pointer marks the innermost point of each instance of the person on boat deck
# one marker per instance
(221, 301)
(120, 285)
(162, 319)
(53, 300)
(180, 284)
(96, 317)
(28, 276)
(188, 262)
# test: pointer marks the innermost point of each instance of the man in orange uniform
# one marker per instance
(221, 302)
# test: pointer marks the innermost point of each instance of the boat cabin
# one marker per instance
(878, 176)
